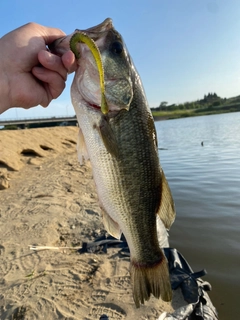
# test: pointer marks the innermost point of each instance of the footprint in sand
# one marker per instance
(2, 250)
(120, 282)
(113, 311)
(28, 262)
(5, 268)
(99, 295)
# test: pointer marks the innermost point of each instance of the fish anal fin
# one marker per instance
(81, 148)
(150, 279)
(111, 226)
(166, 209)
(162, 234)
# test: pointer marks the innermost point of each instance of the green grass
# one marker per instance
(225, 108)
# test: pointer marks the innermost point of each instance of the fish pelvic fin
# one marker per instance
(81, 148)
(166, 209)
(147, 280)
(111, 226)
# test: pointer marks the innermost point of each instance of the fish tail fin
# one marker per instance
(147, 280)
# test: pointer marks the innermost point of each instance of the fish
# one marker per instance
(122, 147)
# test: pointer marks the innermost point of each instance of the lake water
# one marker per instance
(205, 182)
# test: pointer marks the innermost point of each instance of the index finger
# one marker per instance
(49, 34)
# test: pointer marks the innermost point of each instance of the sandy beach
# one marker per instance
(48, 199)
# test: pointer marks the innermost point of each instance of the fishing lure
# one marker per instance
(83, 37)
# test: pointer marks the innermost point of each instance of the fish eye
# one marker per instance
(117, 47)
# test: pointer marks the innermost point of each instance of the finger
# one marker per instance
(47, 34)
(52, 62)
(52, 81)
(69, 61)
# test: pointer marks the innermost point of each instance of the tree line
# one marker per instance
(210, 99)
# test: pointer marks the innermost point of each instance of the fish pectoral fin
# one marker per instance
(111, 226)
(166, 209)
(108, 137)
(81, 148)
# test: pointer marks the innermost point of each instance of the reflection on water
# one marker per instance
(205, 182)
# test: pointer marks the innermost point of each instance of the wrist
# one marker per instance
(4, 105)
(4, 84)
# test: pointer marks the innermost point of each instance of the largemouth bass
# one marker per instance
(123, 151)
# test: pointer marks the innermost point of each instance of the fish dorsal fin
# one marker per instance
(166, 209)
(81, 148)
(110, 225)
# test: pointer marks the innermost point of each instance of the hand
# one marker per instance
(29, 74)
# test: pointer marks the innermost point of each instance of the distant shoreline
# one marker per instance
(210, 104)
(186, 114)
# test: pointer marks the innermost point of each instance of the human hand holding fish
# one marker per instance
(30, 75)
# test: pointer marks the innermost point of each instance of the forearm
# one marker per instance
(4, 104)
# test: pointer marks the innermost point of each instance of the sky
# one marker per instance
(182, 49)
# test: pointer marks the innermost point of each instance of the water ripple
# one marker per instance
(205, 182)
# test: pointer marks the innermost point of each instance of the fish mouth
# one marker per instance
(91, 105)
(96, 31)
(62, 45)
(94, 106)
(97, 108)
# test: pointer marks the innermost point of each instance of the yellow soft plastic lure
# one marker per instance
(83, 37)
